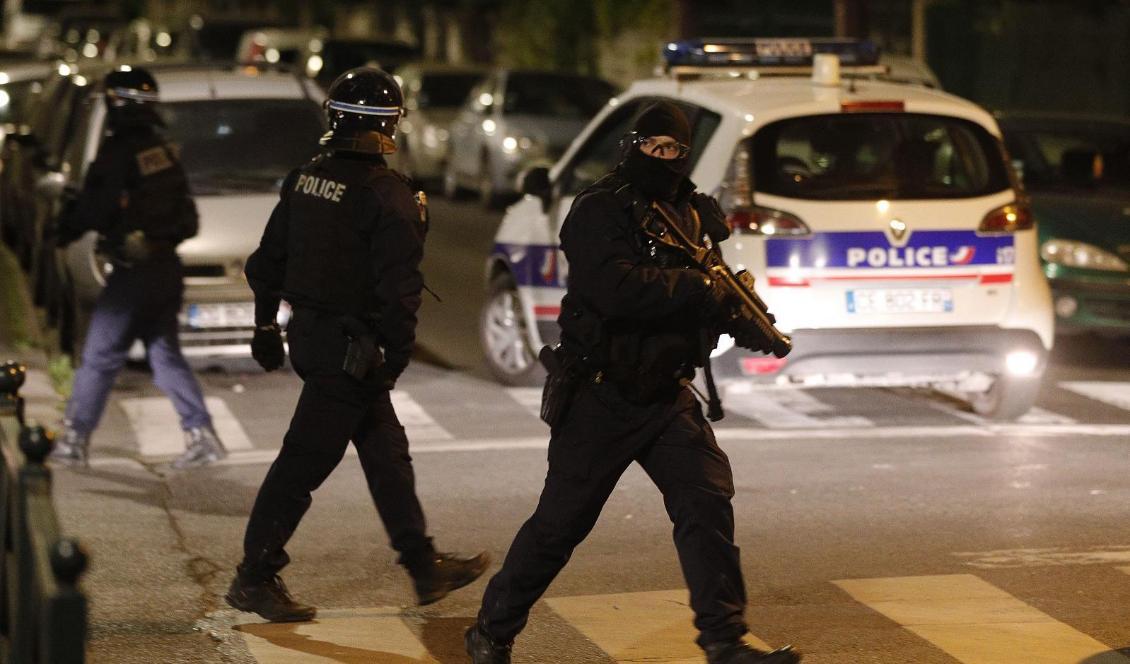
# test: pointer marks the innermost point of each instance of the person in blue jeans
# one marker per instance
(136, 197)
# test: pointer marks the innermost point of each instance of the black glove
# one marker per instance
(717, 303)
(267, 347)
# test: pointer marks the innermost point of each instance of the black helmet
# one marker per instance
(131, 93)
(130, 85)
(363, 107)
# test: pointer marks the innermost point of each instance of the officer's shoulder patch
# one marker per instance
(153, 160)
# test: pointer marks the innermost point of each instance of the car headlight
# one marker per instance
(524, 144)
(1070, 253)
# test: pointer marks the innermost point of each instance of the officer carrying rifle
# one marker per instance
(646, 300)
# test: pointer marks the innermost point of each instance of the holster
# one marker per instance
(362, 354)
(561, 384)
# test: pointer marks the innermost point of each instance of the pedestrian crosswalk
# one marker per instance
(434, 414)
(966, 617)
(976, 622)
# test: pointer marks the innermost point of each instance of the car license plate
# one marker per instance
(221, 314)
(900, 301)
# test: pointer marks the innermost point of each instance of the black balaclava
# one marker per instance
(134, 117)
(655, 177)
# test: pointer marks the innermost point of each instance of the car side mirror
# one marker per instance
(1081, 167)
(51, 184)
(535, 182)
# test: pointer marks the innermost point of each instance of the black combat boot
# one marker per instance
(270, 599)
(483, 649)
(739, 652)
(437, 574)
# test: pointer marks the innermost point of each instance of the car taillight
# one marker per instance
(758, 220)
(1008, 219)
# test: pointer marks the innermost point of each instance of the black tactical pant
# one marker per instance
(333, 409)
(600, 437)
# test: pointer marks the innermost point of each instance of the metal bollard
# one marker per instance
(12, 376)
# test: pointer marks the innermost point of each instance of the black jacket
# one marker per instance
(632, 310)
(346, 238)
(136, 182)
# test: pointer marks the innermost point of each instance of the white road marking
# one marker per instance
(344, 635)
(529, 398)
(977, 623)
(156, 425)
(785, 409)
(956, 431)
(1114, 393)
(1053, 557)
(637, 627)
(417, 422)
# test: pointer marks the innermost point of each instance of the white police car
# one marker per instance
(882, 222)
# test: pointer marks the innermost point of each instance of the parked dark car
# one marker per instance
(1077, 171)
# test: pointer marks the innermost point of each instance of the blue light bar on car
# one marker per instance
(755, 52)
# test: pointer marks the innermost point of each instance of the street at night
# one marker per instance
(876, 525)
(565, 332)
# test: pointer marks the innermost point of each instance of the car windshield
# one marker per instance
(877, 156)
(446, 90)
(557, 95)
(245, 144)
(1105, 149)
(341, 56)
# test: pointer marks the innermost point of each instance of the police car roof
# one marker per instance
(771, 98)
(227, 82)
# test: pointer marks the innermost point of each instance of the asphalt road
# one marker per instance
(876, 525)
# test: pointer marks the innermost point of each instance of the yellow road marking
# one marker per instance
(345, 636)
(637, 627)
(976, 622)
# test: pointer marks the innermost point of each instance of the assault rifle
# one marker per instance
(747, 317)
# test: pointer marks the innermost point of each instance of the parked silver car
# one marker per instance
(433, 95)
(515, 118)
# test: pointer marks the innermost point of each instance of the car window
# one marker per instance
(445, 90)
(869, 156)
(555, 95)
(601, 152)
(1042, 152)
(62, 126)
(705, 123)
(242, 144)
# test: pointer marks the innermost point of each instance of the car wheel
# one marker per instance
(1007, 399)
(504, 333)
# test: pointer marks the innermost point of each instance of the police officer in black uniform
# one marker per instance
(631, 324)
(136, 196)
(343, 247)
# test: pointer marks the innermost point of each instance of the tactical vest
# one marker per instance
(157, 200)
(332, 209)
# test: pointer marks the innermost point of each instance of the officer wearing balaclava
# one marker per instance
(631, 323)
